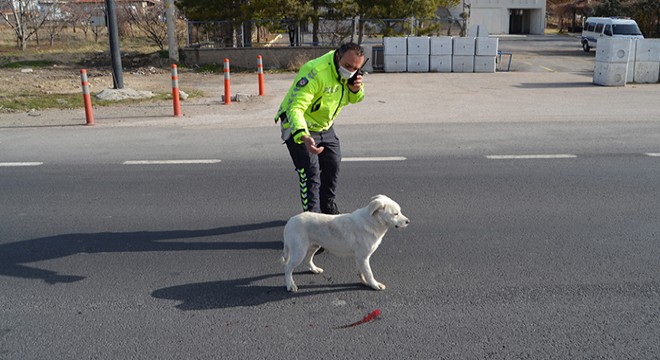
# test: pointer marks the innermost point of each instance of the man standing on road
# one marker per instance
(321, 89)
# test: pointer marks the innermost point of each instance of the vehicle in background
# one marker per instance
(616, 27)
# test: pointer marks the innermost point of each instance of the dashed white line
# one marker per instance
(9, 164)
(377, 158)
(526, 157)
(653, 154)
(170, 162)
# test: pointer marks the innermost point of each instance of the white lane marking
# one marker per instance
(376, 158)
(653, 154)
(170, 162)
(525, 157)
(8, 164)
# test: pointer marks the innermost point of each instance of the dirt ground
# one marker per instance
(143, 75)
(61, 79)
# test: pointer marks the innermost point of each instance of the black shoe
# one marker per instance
(330, 208)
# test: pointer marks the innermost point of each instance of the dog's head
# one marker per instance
(388, 210)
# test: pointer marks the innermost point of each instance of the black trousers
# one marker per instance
(317, 174)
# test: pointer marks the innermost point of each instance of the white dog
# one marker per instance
(357, 234)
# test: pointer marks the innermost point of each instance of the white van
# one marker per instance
(597, 27)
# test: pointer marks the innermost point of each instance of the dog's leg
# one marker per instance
(360, 274)
(309, 260)
(367, 275)
(296, 257)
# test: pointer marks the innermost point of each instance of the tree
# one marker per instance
(647, 15)
(609, 8)
(231, 11)
(25, 17)
(151, 21)
(53, 29)
(402, 9)
(571, 9)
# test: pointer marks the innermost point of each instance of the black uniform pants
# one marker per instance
(317, 174)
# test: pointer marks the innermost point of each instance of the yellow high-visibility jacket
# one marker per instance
(315, 99)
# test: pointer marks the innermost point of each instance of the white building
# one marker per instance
(506, 16)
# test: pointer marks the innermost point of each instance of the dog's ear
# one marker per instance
(375, 205)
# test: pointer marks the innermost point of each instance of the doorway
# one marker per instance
(519, 21)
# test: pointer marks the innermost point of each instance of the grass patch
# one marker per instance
(38, 101)
(220, 68)
(33, 100)
(29, 64)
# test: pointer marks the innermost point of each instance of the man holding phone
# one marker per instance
(321, 89)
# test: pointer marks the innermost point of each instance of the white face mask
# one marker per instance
(345, 73)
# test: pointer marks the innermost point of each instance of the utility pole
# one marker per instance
(113, 35)
(170, 14)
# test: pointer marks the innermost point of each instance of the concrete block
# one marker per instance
(478, 31)
(631, 62)
(418, 63)
(419, 45)
(647, 50)
(395, 46)
(614, 50)
(441, 45)
(486, 46)
(485, 64)
(462, 63)
(610, 74)
(440, 63)
(368, 53)
(394, 63)
(464, 46)
(646, 72)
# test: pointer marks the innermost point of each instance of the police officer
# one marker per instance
(321, 89)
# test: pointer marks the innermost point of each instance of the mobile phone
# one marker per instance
(351, 81)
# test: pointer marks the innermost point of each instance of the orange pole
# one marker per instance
(175, 91)
(260, 71)
(87, 100)
(227, 83)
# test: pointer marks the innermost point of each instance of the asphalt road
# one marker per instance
(505, 258)
(529, 239)
(561, 53)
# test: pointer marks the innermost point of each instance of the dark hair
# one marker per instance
(350, 46)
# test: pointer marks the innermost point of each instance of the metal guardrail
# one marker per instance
(499, 62)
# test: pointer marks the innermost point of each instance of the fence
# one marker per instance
(326, 32)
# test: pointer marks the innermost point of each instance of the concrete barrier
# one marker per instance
(610, 74)
(440, 63)
(647, 61)
(612, 61)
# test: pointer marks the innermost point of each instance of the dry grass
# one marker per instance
(52, 77)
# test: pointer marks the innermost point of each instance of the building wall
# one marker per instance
(495, 15)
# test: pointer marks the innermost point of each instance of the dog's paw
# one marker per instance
(292, 288)
(378, 286)
(316, 270)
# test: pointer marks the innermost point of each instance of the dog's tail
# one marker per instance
(285, 256)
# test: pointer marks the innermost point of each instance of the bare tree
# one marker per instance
(151, 21)
(53, 29)
(84, 13)
(25, 17)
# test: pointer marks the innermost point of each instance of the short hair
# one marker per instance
(350, 46)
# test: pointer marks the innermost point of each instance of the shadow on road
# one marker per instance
(14, 256)
(556, 85)
(242, 292)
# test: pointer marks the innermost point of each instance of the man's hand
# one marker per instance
(310, 144)
(357, 85)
